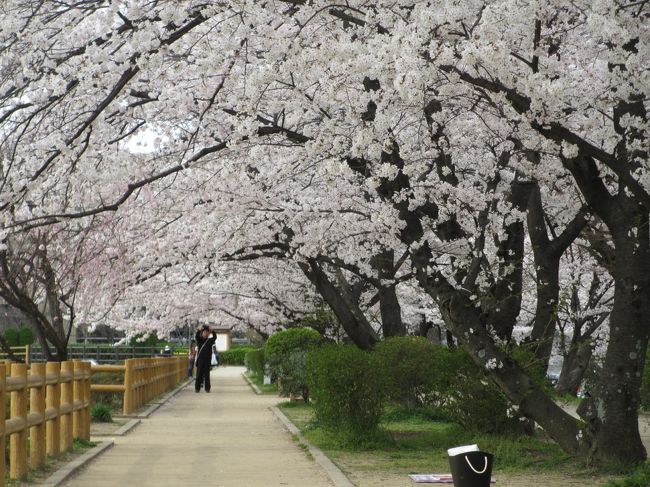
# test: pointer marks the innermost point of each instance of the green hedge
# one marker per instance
(409, 365)
(234, 356)
(347, 386)
(254, 361)
(286, 356)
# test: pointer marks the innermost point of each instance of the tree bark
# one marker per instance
(351, 317)
(574, 366)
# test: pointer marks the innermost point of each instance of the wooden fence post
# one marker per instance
(3, 413)
(129, 396)
(52, 403)
(37, 406)
(87, 399)
(18, 441)
(77, 398)
(67, 370)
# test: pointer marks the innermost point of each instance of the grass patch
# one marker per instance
(258, 380)
(639, 477)
(417, 441)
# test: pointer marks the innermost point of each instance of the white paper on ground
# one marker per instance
(461, 449)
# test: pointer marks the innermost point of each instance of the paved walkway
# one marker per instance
(225, 438)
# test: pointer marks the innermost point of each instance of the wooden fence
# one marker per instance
(50, 402)
(144, 379)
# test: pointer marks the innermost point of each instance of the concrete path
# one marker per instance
(225, 438)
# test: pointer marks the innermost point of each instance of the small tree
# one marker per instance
(25, 336)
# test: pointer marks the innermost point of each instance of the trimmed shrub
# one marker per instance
(409, 365)
(346, 385)
(11, 337)
(234, 356)
(254, 361)
(25, 336)
(286, 355)
(101, 413)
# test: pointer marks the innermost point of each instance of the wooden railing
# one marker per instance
(144, 379)
(49, 401)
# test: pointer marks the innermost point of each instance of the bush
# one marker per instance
(234, 356)
(11, 337)
(254, 361)
(286, 355)
(469, 397)
(101, 413)
(409, 365)
(346, 384)
(25, 336)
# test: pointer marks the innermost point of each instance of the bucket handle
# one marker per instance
(475, 470)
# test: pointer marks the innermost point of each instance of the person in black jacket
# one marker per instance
(204, 344)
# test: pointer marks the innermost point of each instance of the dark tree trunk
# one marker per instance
(612, 411)
(348, 313)
(389, 307)
(547, 254)
(574, 366)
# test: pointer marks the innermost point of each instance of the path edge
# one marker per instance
(336, 475)
(256, 389)
(68, 470)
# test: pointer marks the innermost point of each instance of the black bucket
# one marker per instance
(471, 469)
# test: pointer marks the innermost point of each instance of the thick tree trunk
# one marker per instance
(389, 307)
(613, 409)
(391, 313)
(574, 366)
(351, 317)
(545, 321)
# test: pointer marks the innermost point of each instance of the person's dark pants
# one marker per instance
(190, 369)
(202, 376)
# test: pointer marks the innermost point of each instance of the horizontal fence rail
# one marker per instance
(144, 379)
(49, 403)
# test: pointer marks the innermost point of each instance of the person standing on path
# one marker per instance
(204, 344)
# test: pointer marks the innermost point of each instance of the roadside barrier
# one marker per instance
(50, 403)
(144, 379)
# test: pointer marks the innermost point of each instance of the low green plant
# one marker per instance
(101, 413)
(347, 387)
(639, 477)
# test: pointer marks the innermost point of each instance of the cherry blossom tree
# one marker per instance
(400, 143)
